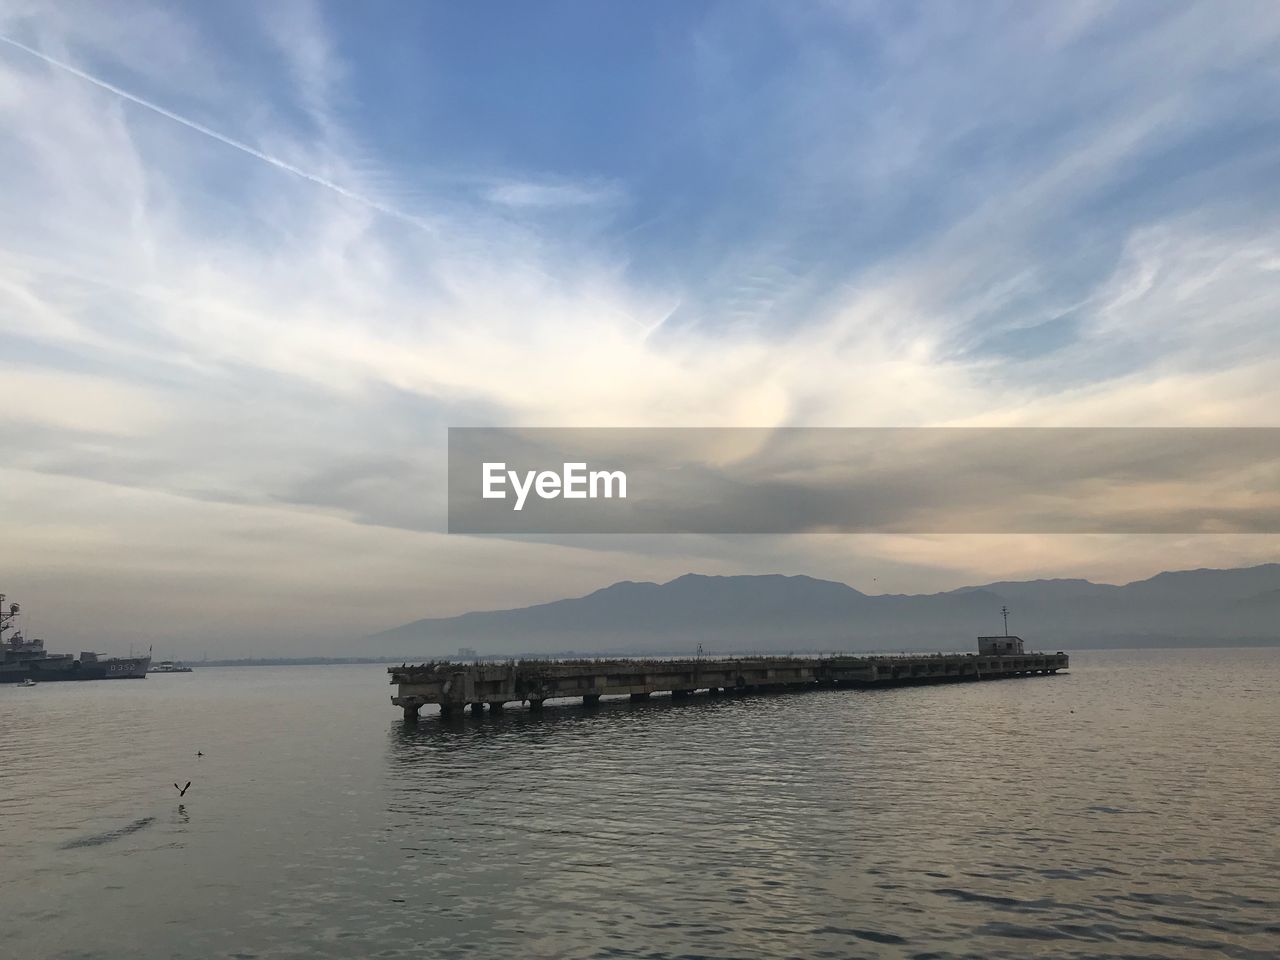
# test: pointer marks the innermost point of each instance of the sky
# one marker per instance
(255, 259)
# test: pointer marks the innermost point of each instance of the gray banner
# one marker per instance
(864, 480)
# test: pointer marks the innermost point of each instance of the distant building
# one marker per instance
(999, 646)
(467, 653)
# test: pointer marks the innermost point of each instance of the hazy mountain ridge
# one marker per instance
(777, 612)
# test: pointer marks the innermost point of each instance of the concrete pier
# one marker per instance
(454, 685)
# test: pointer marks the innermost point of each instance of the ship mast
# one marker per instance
(6, 619)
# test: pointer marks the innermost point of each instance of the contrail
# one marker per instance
(240, 145)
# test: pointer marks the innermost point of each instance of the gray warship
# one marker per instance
(23, 660)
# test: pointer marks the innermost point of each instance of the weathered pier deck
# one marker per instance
(454, 686)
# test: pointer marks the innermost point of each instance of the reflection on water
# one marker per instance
(98, 839)
(1125, 809)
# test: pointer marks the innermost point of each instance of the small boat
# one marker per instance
(27, 683)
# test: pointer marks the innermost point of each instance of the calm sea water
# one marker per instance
(1128, 809)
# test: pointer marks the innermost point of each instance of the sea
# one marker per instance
(1128, 808)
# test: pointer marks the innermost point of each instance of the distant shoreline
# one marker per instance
(1165, 643)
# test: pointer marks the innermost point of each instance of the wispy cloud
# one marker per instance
(531, 194)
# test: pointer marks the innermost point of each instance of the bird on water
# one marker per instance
(182, 791)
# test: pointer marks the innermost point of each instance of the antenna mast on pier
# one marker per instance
(1004, 611)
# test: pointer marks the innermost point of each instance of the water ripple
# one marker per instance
(1123, 810)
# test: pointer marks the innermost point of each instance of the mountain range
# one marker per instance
(797, 613)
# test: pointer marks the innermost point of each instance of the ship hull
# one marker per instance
(116, 668)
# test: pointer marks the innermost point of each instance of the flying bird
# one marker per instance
(182, 791)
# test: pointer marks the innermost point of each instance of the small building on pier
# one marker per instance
(1000, 646)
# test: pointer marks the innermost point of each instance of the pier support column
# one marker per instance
(477, 708)
(590, 699)
(535, 706)
(411, 713)
(637, 697)
(446, 711)
(680, 694)
(497, 706)
(713, 691)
